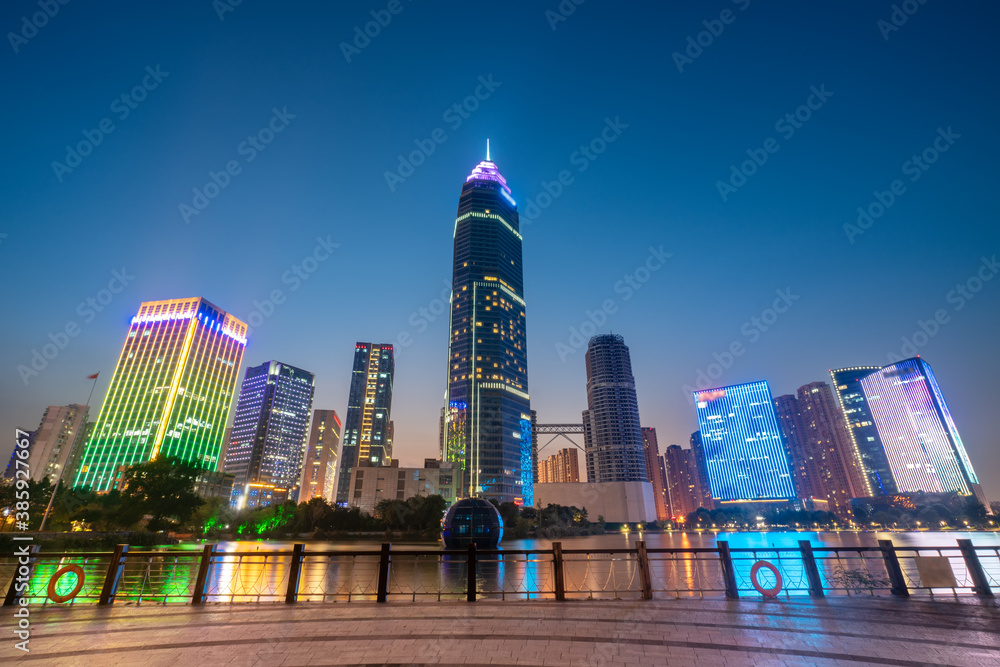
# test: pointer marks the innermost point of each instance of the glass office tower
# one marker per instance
(170, 392)
(745, 454)
(488, 416)
(921, 441)
(861, 427)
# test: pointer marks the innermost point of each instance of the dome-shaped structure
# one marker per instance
(472, 521)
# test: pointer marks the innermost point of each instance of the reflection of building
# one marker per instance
(371, 485)
(743, 446)
(62, 431)
(563, 466)
(825, 464)
(617, 502)
(611, 421)
(269, 429)
(655, 472)
(368, 430)
(488, 413)
(319, 466)
(861, 428)
(170, 392)
(922, 444)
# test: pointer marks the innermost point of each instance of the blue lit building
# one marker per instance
(268, 439)
(486, 433)
(861, 426)
(743, 448)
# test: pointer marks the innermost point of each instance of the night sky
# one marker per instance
(644, 128)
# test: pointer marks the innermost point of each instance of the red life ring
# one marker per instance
(766, 592)
(75, 569)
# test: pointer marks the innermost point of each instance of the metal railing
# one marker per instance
(178, 575)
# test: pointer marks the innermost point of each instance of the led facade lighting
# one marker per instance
(744, 451)
(861, 427)
(921, 442)
(170, 392)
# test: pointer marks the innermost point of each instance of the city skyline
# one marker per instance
(299, 218)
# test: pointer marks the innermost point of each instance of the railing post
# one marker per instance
(644, 575)
(980, 583)
(557, 562)
(728, 573)
(383, 574)
(812, 572)
(201, 583)
(12, 592)
(896, 580)
(114, 576)
(471, 591)
(292, 593)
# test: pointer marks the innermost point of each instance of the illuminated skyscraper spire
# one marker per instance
(488, 150)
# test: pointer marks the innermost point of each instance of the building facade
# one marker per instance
(612, 432)
(563, 466)
(701, 468)
(269, 429)
(60, 437)
(368, 428)
(171, 390)
(655, 472)
(487, 411)
(922, 444)
(743, 446)
(861, 428)
(683, 486)
(319, 467)
(371, 485)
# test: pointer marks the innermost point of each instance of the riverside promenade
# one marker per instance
(713, 631)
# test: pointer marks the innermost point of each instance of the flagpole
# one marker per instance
(69, 454)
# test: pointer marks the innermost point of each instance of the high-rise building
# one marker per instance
(701, 469)
(269, 429)
(684, 492)
(62, 431)
(825, 464)
(319, 466)
(861, 428)
(488, 413)
(561, 467)
(171, 390)
(612, 434)
(655, 472)
(922, 444)
(743, 445)
(368, 429)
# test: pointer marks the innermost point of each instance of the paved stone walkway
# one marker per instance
(831, 631)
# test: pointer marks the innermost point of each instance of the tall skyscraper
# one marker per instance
(171, 390)
(701, 468)
(654, 472)
(487, 411)
(825, 464)
(612, 434)
(368, 427)
(743, 446)
(861, 428)
(684, 492)
(320, 463)
(922, 444)
(63, 430)
(269, 430)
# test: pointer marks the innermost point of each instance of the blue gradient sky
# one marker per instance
(655, 185)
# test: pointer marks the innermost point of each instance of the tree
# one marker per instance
(162, 489)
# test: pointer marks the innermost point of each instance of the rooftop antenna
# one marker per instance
(487, 150)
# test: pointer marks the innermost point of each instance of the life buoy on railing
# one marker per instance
(75, 569)
(766, 592)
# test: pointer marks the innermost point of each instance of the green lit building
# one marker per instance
(171, 390)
